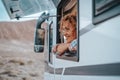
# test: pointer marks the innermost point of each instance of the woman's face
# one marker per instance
(69, 31)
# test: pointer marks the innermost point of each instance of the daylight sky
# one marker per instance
(3, 14)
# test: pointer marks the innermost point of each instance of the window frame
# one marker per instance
(58, 40)
(108, 11)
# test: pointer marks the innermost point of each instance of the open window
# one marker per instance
(65, 8)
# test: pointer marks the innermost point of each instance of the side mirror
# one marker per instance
(39, 35)
(39, 40)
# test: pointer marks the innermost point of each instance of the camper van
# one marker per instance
(79, 38)
(98, 41)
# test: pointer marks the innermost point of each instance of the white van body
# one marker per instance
(99, 50)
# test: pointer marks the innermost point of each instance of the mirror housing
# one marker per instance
(39, 35)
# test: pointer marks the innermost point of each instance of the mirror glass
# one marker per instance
(39, 40)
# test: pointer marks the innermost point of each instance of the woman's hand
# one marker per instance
(60, 48)
(54, 48)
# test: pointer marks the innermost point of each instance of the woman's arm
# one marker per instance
(73, 45)
(60, 48)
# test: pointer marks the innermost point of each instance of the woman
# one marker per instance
(68, 30)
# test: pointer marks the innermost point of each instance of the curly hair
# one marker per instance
(71, 18)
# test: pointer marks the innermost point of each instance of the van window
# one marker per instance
(67, 46)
